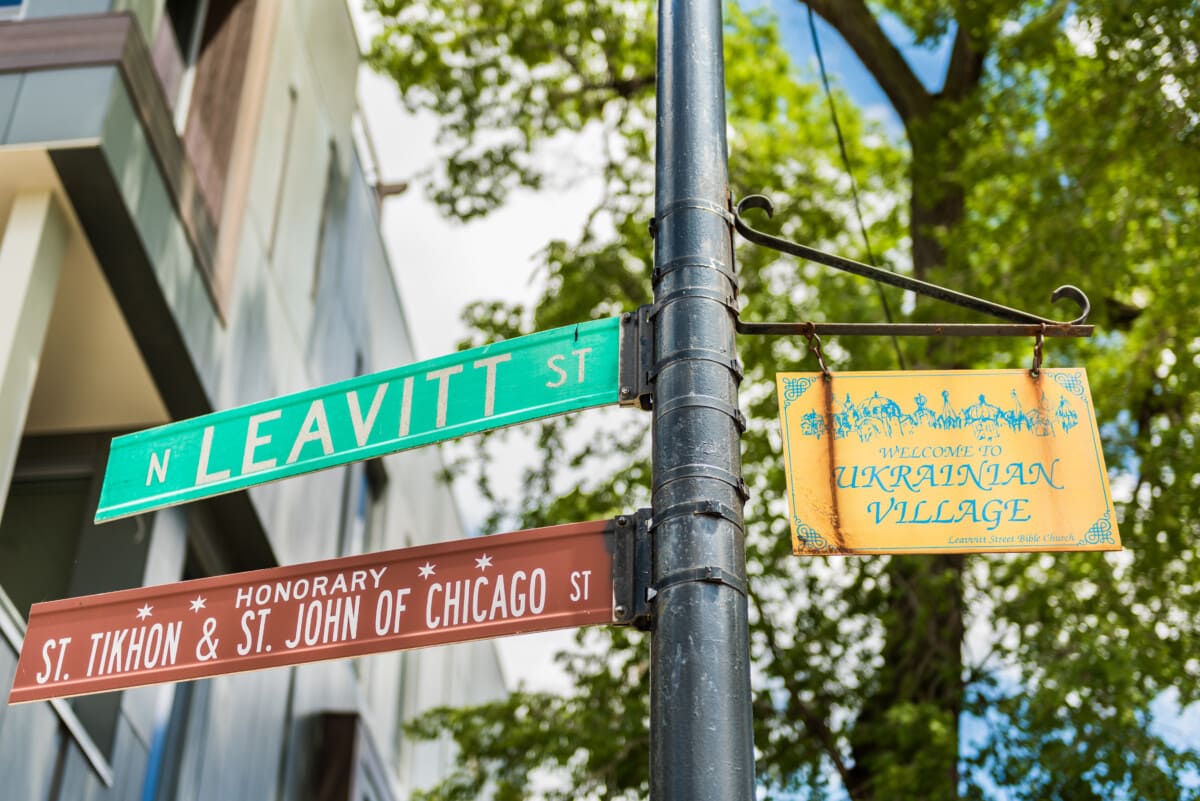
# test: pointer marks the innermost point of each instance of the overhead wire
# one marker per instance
(841, 140)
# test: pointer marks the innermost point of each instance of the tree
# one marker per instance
(1062, 144)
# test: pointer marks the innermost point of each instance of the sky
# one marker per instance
(441, 265)
(844, 68)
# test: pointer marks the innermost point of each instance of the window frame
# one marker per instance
(49, 457)
(12, 627)
(189, 54)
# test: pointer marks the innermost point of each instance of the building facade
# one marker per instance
(187, 225)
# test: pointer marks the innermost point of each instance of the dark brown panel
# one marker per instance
(217, 94)
(137, 68)
(336, 757)
(61, 42)
(346, 764)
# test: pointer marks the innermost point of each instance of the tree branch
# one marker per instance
(817, 724)
(965, 67)
(858, 26)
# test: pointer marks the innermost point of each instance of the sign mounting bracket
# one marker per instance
(1021, 323)
(637, 358)
(631, 570)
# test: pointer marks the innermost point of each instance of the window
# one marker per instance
(347, 761)
(281, 184)
(49, 547)
(334, 191)
(38, 568)
(362, 520)
(200, 53)
(362, 500)
(175, 48)
(10, 9)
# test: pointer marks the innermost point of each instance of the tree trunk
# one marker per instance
(905, 742)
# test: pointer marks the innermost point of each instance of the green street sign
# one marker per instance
(534, 376)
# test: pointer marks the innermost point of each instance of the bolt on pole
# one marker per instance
(702, 746)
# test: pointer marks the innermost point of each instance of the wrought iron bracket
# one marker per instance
(1021, 323)
(631, 570)
(636, 377)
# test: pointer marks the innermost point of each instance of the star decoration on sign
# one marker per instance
(198, 604)
(144, 612)
(426, 570)
(483, 562)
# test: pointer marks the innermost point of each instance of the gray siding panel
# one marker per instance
(129, 765)
(79, 782)
(10, 87)
(61, 105)
(31, 737)
(245, 727)
(28, 751)
(64, 8)
(28, 742)
(8, 668)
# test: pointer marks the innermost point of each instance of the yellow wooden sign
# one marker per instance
(965, 461)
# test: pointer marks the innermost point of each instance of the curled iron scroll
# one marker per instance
(962, 299)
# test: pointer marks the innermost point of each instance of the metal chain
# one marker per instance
(1039, 342)
(814, 344)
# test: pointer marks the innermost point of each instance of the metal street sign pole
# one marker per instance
(702, 745)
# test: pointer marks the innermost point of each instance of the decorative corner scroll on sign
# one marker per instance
(968, 461)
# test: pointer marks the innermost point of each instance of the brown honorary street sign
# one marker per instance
(468, 589)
